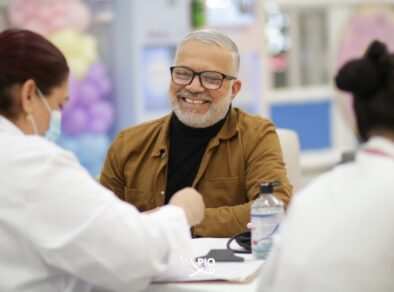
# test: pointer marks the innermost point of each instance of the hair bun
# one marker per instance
(358, 77)
(377, 51)
(363, 77)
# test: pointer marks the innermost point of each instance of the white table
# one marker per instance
(205, 244)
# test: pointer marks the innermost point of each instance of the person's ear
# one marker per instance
(235, 88)
(27, 95)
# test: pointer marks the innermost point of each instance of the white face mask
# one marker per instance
(55, 123)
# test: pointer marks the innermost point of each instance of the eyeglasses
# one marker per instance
(208, 79)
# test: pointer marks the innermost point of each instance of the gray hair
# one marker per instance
(217, 38)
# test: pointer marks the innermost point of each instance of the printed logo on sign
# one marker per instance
(202, 266)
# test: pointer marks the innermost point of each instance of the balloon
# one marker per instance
(96, 72)
(101, 116)
(105, 86)
(80, 16)
(58, 23)
(34, 25)
(15, 14)
(98, 75)
(80, 50)
(60, 7)
(88, 93)
(43, 13)
(78, 66)
(47, 16)
(86, 110)
(88, 48)
(74, 122)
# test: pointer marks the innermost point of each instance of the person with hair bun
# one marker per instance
(60, 230)
(371, 82)
(338, 234)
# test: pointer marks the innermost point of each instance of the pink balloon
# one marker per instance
(101, 116)
(36, 26)
(58, 23)
(50, 15)
(80, 17)
(17, 4)
(15, 17)
(28, 9)
(59, 7)
(43, 12)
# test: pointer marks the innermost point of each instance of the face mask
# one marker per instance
(55, 123)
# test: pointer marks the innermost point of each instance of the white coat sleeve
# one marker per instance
(82, 228)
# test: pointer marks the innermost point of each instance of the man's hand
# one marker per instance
(191, 202)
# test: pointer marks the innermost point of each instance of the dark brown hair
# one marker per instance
(371, 81)
(27, 55)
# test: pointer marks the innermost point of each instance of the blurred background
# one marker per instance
(120, 52)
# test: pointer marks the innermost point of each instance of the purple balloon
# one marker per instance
(88, 93)
(96, 72)
(101, 116)
(105, 86)
(86, 109)
(75, 122)
(97, 75)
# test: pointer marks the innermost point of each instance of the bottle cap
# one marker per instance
(268, 188)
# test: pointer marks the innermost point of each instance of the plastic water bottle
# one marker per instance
(266, 214)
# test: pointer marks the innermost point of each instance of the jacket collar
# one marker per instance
(9, 127)
(229, 129)
(381, 144)
(161, 147)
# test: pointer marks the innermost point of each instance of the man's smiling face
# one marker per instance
(194, 105)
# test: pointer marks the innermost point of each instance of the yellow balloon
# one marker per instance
(80, 50)
(78, 67)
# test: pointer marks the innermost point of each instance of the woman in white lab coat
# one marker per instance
(59, 229)
(338, 234)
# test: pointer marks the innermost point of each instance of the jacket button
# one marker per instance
(162, 193)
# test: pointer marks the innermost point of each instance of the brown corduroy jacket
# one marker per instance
(245, 153)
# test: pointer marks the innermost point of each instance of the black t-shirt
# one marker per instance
(187, 147)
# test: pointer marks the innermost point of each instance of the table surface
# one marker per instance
(202, 244)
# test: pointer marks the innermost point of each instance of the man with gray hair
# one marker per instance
(205, 143)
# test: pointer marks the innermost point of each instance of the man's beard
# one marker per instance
(216, 111)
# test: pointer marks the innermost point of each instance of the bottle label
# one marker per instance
(264, 227)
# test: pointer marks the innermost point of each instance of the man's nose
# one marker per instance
(195, 85)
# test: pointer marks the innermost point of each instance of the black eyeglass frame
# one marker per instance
(224, 76)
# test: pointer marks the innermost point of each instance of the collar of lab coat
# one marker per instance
(380, 143)
(7, 126)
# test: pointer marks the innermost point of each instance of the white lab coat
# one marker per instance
(339, 231)
(62, 231)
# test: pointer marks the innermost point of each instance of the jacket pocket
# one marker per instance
(228, 191)
(143, 201)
